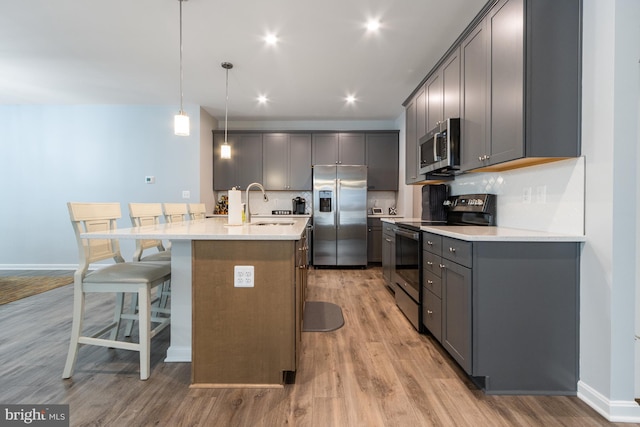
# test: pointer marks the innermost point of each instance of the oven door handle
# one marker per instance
(408, 234)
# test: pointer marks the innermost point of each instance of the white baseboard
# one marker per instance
(178, 354)
(72, 267)
(617, 411)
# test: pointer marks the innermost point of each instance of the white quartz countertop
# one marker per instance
(473, 233)
(216, 228)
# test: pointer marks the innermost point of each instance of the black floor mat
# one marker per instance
(321, 317)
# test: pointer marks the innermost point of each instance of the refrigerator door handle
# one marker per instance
(337, 210)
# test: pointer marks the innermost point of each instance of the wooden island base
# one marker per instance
(246, 336)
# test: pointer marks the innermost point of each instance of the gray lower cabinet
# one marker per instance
(388, 249)
(456, 312)
(507, 312)
(287, 161)
(382, 161)
(374, 240)
(339, 148)
(245, 165)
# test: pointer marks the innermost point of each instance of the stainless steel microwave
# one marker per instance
(439, 149)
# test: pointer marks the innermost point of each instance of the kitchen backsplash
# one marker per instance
(281, 200)
(548, 197)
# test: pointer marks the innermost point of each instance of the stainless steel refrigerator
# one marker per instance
(339, 215)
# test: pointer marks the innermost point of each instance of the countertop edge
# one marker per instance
(206, 229)
(493, 234)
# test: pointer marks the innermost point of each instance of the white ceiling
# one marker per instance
(127, 52)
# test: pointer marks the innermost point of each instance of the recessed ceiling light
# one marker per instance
(262, 99)
(373, 25)
(350, 99)
(271, 39)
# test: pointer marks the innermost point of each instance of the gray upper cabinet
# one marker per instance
(443, 91)
(415, 129)
(506, 85)
(519, 89)
(245, 165)
(451, 85)
(434, 100)
(286, 161)
(338, 148)
(382, 161)
(474, 98)
(531, 80)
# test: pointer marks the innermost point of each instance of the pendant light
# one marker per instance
(181, 120)
(225, 149)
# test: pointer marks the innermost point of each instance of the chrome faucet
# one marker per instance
(264, 195)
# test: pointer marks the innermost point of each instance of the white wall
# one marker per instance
(557, 195)
(55, 154)
(608, 266)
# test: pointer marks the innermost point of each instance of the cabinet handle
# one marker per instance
(452, 250)
(430, 282)
(387, 239)
(443, 266)
(429, 263)
(430, 243)
(429, 312)
(480, 158)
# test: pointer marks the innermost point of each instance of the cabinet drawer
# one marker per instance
(457, 251)
(387, 228)
(432, 313)
(431, 242)
(431, 263)
(432, 282)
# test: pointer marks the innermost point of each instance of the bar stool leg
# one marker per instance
(76, 329)
(144, 324)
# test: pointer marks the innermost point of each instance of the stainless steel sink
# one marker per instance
(271, 222)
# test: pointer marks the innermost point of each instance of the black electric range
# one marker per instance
(468, 209)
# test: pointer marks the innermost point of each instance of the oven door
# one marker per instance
(407, 266)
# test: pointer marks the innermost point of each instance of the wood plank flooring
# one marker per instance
(375, 371)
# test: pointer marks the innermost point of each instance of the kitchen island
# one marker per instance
(241, 335)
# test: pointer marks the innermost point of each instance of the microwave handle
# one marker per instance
(435, 146)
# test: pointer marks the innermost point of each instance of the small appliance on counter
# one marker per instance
(299, 206)
(377, 211)
(433, 202)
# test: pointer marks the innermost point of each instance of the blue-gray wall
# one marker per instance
(55, 154)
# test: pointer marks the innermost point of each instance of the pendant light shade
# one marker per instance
(181, 124)
(225, 149)
(181, 120)
(225, 152)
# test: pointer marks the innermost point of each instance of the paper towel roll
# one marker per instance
(235, 207)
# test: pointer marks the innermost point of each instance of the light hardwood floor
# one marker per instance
(375, 371)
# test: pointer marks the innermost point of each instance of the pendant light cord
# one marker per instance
(226, 107)
(181, 76)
